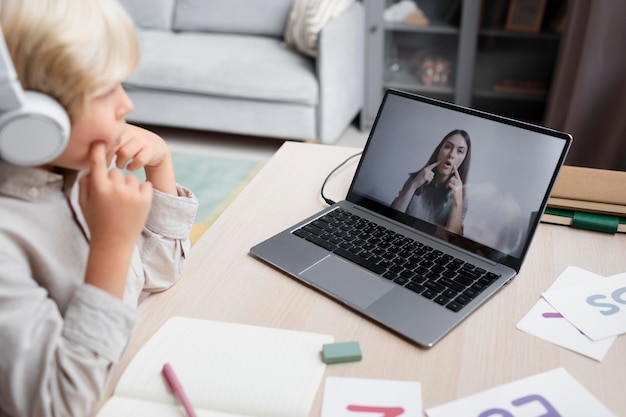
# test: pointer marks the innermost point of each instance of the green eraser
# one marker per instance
(341, 352)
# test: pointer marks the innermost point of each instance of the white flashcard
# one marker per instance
(597, 307)
(354, 397)
(554, 393)
(546, 323)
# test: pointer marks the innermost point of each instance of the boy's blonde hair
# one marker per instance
(71, 50)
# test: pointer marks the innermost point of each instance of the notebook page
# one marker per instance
(130, 407)
(231, 368)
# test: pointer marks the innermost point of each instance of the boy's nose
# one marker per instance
(126, 105)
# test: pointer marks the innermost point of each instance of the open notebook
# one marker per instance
(226, 369)
(439, 216)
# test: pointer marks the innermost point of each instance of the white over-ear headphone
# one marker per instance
(34, 128)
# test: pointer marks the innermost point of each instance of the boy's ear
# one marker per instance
(34, 128)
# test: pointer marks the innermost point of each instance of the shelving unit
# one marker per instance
(489, 67)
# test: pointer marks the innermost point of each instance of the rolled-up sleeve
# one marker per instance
(164, 243)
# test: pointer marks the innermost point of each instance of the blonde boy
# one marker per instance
(79, 242)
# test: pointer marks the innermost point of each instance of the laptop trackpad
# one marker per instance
(347, 281)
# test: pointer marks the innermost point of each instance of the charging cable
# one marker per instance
(326, 199)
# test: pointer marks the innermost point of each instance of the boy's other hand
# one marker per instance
(140, 148)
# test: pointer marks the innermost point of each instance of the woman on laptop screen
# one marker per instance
(435, 193)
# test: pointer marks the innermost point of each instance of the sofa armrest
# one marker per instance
(340, 71)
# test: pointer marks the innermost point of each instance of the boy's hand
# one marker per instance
(115, 207)
(141, 148)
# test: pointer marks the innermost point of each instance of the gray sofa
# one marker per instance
(222, 65)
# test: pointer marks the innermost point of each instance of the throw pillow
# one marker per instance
(306, 20)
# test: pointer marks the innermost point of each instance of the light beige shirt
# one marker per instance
(58, 335)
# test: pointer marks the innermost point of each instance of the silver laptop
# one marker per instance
(439, 216)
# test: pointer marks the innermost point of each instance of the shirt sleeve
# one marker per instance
(164, 243)
(53, 362)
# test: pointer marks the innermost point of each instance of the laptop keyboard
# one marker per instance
(442, 278)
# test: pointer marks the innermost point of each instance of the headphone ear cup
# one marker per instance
(35, 133)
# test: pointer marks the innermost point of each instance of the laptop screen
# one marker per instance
(473, 179)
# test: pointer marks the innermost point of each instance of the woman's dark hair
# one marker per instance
(463, 169)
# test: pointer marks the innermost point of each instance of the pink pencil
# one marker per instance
(176, 387)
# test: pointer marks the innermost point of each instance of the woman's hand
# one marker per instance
(455, 184)
(455, 219)
(424, 177)
(141, 148)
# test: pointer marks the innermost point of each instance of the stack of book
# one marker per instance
(588, 198)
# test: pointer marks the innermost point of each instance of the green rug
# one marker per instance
(215, 181)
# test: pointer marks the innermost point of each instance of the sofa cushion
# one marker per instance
(252, 17)
(238, 66)
(158, 14)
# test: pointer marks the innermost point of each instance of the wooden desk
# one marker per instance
(223, 282)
